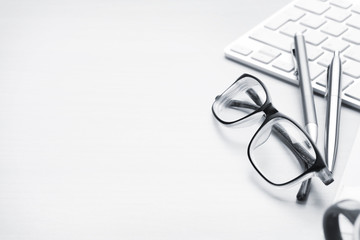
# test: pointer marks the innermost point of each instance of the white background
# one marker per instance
(106, 130)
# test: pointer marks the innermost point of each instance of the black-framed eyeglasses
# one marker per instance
(280, 151)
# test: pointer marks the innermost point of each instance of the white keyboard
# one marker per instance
(327, 26)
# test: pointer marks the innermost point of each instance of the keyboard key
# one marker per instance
(352, 35)
(313, 6)
(266, 55)
(326, 58)
(354, 21)
(261, 57)
(353, 91)
(291, 28)
(315, 70)
(333, 28)
(335, 45)
(337, 14)
(238, 48)
(356, 8)
(312, 21)
(341, 3)
(313, 52)
(291, 14)
(273, 39)
(352, 69)
(285, 62)
(353, 53)
(270, 51)
(314, 37)
(345, 81)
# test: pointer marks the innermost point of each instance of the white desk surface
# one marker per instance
(107, 133)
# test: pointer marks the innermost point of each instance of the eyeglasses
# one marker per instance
(331, 221)
(280, 151)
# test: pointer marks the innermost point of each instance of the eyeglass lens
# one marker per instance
(240, 100)
(281, 151)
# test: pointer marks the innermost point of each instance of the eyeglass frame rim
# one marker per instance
(267, 101)
(270, 113)
(318, 165)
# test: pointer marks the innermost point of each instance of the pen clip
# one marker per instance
(327, 81)
(293, 54)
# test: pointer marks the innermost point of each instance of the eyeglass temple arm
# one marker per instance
(305, 159)
(254, 96)
(296, 148)
(242, 104)
(300, 153)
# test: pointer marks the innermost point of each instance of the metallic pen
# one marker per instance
(307, 97)
(306, 90)
(333, 110)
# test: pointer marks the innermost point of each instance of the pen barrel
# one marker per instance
(307, 99)
(304, 80)
(333, 109)
(332, 132)
(334, 76)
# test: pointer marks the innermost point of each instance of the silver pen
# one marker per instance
(307, 97)
(333, 110)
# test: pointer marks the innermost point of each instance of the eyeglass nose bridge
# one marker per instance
(269, 110)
